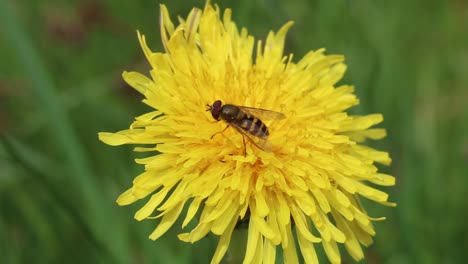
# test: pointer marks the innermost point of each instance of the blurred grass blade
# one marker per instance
(45, 171)
(49, 102)
(75, 157)
(29, 158)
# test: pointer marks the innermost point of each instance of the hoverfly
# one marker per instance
(246, 120)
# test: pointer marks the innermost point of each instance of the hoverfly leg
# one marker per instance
(219, 132)
(245, 149)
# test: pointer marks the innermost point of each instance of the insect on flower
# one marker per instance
(306, 192)
(246, 120)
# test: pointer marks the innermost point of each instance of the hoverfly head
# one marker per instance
(215, 109)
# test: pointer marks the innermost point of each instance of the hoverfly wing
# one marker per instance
(262, 114)
(261, 143)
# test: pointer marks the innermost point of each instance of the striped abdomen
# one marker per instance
(252, 125)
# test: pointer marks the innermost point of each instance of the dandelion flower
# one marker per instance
(309, 183)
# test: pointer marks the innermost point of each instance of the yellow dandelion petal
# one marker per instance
(126, 198)
(261, 205)
(306, 247)
(321, 226)
(115, 139)
(336, 233)
(269, 251)
(192, 210)
(363, 236)
(220, 209)
(333, 253)
(150, 206)
(220, 224)
(285, 154)
(351, 243)
(252, 243)
(262, 226)
(290, 255)
(273, 223)
(196, 234)
(305, 202)
(224, 241)
(383, 179)
(301, 225)
(166, 222)
(321, 199)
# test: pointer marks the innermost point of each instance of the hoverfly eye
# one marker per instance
(217, 104)
(216, 109)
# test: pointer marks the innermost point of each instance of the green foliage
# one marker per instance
(60, 84)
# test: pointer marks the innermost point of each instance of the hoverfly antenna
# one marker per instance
(208, 107)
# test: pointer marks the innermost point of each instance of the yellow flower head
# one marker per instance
(310, 176)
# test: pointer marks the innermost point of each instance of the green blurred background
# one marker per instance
(60, 84)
